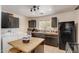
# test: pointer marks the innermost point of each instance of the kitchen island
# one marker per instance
(28, 47)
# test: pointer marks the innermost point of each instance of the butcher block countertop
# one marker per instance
(47, 33)
(51, 33)
(27, 47)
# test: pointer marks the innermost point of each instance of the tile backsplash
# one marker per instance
(10, 30)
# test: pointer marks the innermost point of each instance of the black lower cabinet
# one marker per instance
(39, 35)
(51, 41)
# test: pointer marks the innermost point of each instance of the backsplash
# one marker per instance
(10, 30)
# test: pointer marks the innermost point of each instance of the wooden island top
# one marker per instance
(27, 47)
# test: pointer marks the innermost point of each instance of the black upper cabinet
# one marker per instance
(13, 22)
(32, 23)
(9, 21)
(54, 22)
(4, 20)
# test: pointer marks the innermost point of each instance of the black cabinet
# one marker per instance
(8, 21)
(32, 23)
(39, 35)
(4, 20)
(51, 40)
(13, 22)
(54, 22)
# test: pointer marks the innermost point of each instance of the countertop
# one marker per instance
(47, 33)
(26, 47)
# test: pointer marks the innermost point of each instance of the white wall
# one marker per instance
(0, 28)
(77, 17)
(70, 16)
(66, 16)
(23, 25)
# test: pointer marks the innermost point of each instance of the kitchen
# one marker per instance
(38, 24)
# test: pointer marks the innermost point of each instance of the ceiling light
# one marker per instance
(34, 8)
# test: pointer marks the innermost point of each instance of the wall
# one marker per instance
(15, 32)
(0, 28)
(71, 16)
(23, 25)
(77, 17)
(39, 19)
(45, 18)
(66, 16)
(62, 17)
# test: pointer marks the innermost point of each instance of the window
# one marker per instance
(44, 24)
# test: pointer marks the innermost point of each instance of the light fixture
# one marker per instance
(34, 8)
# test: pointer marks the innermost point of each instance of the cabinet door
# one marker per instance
(54, 22)
(51, 41)
(13, 22)
(39, 35)
(4, 20)
(16, 23)
(32, 23)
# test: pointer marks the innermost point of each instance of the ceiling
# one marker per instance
(43, 9)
